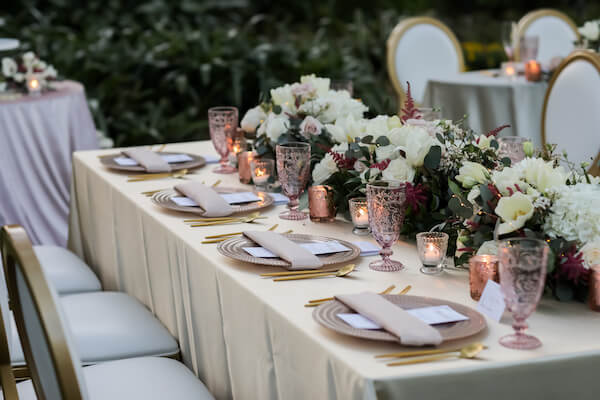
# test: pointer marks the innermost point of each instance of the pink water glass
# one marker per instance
(222, 123)
(522, 267)
(293, 169)
(386, 202)
(512, 147)
(529, 47)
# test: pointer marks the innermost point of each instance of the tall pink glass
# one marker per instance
(522, 270)
(386, 202)
(222, 123)
(293, 169)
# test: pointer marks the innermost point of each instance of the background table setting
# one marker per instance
(250, 337)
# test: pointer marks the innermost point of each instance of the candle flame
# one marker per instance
(260, 171)
(34, 83)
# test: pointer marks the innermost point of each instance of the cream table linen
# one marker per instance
(490, 102)
(247, 337)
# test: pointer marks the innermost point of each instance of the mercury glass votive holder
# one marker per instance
(261, 170)
(321, 203)
(481, 269)
(432, 247)
(359, 212)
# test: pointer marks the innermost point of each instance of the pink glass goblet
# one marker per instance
(386, 202)
(222, 123)
(522, 270)
(293, 169)
(512, 147)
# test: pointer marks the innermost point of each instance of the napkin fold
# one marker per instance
(213, 204)
(299, 257)
(410, 330)
(148, 159)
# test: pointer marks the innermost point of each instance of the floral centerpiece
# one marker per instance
(16, 72)
(590, 35)
(540, 198)
(301, 111)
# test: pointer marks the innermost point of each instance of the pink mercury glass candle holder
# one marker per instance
(387, 204)
(482, 268)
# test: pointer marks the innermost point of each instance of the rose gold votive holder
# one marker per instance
(533, 71)
(321, 203)
(481, 269)
(595, 288)
(244, 160)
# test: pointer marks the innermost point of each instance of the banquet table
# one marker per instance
(39, 135)
(248, 337)
(490, 101)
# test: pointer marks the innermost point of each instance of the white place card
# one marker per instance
(231, 198)
(279, 198)
(169, 158)
(433, 315)
(491, 302)
(210, 159)
(315, 248)
(368, 248)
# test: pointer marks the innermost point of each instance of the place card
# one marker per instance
(315, 248)
(433, 315)
(169, 158)
(230, 198)
(368, 248)
(279, 198)
(210, 159)
(491, 302)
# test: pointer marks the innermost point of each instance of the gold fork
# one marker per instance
(222, 239)
(228, 221)
(148, 177)
(318, 302)
(151, 193)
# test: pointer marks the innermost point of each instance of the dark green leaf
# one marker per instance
(433, 158)
(382, 141)
(367, 139)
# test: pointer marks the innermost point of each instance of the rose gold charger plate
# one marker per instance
(326, 315)
(163, 199)
(195, 162)
(234, 248)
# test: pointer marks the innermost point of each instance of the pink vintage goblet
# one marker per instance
(522, 264)
(386, 202)
(222, 123)
(293, 169)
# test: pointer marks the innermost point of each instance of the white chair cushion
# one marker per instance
(556, 37)
(108, 326)
(572, 119)
(65, 271)
(147, 378)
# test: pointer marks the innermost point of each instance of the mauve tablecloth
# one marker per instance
(39, 135)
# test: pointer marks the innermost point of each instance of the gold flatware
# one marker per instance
(405, 290)
(344, 271)
(210, 219)
(404, 354)
(236, 233)
(299, 272)
(228, 221)
(146, 177)
(161, 148)
(318, 302)
(468, 352)
(222, 239)
(216, 183)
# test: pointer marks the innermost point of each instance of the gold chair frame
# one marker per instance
(392, 42)
(16, 247)
(532, 16)
(585, 55)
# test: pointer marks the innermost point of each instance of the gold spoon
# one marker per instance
(345, 270)
(212, 219)
(229, 221)
(318, 302)
(235, 233)
(147, 177)
(150, 193)
(468, 352)
(404, 354)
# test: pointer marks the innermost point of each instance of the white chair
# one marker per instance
(418, 49)
(105, 326)
(55, 367)
(555, 30)
(571, 117)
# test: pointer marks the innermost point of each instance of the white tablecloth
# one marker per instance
(39, 135)
(490, 102)
(250, 338)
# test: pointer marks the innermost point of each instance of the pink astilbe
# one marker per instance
(341, 160)
(410, 111)
(571, 266)
(497, 130)
(415, 195)
(382, 165)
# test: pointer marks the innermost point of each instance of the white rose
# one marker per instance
(377, 126)
(346, 129)
(394, 122)
(415, 141)
(489, 247)
(277, 127)
(429, 126)
(541, 174)
(311, 126)
(49, 72)
(591, 253)
(483, 142)
(253, 118)
(515, 211)
(386, 152)
(29, 58)
(283, 97)
(9, 67)
(324, 169)
(508, 180)
(320, 85)
(590, 30)
(471, 174)
(399, 170)
(303, 89)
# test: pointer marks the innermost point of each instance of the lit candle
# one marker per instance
(432, 254)
(33, 85)
(260, 175)
(362, 216)
(533, 71)
(432, 247)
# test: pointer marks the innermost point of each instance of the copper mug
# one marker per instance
(481, 269)
(321, 203)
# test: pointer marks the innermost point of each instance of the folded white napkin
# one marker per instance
(148, 159)
(299, 257)
(213, 204)
(410, 330)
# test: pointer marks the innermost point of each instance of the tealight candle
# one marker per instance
(509, 69)
(261, 171)
(432, 247)
(360, 216)
(533, 71)
(34, 87)
(481, 269)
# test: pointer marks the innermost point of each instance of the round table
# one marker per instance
(490, 100)
(39, 136)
